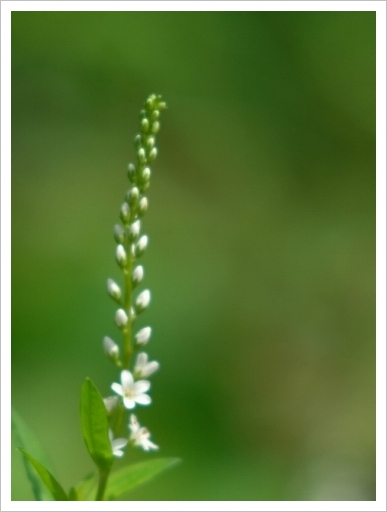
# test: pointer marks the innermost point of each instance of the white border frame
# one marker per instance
(380, 7)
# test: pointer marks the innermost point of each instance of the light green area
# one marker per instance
(261, 259)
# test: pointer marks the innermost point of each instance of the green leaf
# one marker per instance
(27, 440)
(130, 477)
(50, 482)
(95, 426)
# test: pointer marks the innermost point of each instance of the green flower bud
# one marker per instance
(131, 173)
(152, 154)
(155, 127)
(150, 142)
(146, 174)
(125, 213)
(141, 156)
(132, 195)
(144, 125)
(142, 206)
(119, 234)
(155, 115)
(137, 141)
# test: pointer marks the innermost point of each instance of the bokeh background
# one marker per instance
(262, 254)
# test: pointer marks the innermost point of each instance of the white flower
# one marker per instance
(143, 300)
(143, 368)
(140, 435)
(121, 255)
(141, 245)
(131, 391)
(121, 318)
(138, 274)
(134, 230)
(110, 404)
(143, 335)
(117, 444)
(113, 289)
(111, 349)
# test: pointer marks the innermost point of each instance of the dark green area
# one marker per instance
(262, 243)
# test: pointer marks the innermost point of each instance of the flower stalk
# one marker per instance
(132, 386)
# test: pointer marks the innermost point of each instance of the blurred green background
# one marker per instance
(262, 242)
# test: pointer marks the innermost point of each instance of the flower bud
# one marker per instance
(121, 318)
(150, 142)
(137, 141)
(152, 154)
(133, 195)
(144, 125)
(131, 173)
(141, 245)
(150, 102)
(110, 404)
(111, 348)
(138, 274)
(134, 230)
(142, 337)
(141, 156)
(125, 213)
(155, 115)
(121, 256)
(142, 206)
(113, 290)
(142, 301)
(119, 234)
(155, 127)
(146, 174)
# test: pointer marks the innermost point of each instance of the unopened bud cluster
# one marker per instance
(131, 245)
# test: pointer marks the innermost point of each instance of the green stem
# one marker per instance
(102, 482)
(127, 352)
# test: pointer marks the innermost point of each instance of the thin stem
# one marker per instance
(102, 482)
(127, 352)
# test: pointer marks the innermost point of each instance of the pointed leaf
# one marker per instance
(130, 477)
(27, 440)
(50, 482)
(95, 426)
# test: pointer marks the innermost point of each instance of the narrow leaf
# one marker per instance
(95, 426)
(50, 482)
(27, 440)
(130, 477)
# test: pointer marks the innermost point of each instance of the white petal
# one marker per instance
(143, 399)
(150, 368)
(119, 443)
(126, 379)
(129, 403)
(151, 445)
(118, 453)
(143, 335)
(142, 360)
(117, 388)
(141, 386)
